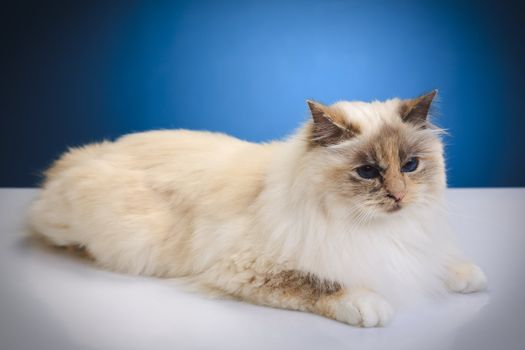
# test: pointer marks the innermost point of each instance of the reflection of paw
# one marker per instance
(466, 278)
(363, 308)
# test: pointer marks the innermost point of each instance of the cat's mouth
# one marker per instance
(394, 207)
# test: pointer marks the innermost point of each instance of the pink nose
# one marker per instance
(397, 196)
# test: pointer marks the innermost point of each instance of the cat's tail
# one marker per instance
(48, 220)
(50, 215)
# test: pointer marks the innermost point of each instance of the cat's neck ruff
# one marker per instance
(392, 254)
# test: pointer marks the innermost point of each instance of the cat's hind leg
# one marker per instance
(109, 211)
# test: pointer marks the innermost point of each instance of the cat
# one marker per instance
(343, 219)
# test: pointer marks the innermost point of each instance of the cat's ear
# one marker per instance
(415, 111)
(329, 126)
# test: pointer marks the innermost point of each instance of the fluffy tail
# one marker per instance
(48, 219)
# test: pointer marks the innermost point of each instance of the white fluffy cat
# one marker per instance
(343, 219)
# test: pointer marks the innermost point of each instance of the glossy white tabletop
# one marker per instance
(52, 300)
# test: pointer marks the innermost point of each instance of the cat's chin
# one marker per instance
(391, 211)
(380, 215)
(386, 210)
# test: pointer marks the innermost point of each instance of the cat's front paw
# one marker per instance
(363, 308)
(466, 278)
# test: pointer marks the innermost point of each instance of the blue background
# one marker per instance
(76, 72)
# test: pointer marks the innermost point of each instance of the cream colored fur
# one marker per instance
(229, 215)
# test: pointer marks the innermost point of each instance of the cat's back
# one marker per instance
(161, 151)
(184, 156)
(162, 147)
(196, 166)
(173, 142)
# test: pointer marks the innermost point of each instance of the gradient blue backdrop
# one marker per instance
(76, 72)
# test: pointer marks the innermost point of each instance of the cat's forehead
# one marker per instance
(369, 117)
(388, 145)
(382, 137)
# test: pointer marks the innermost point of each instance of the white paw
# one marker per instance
(466, 278)
(364, 309)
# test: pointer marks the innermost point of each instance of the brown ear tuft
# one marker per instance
(416, 110)
(329, 125)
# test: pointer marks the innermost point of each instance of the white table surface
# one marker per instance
(52, 300)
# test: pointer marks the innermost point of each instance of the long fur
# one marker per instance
(233, 216)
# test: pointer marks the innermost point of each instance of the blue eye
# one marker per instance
(410, 166)
(367, 171)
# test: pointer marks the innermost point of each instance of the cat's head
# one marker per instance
(378, 158)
